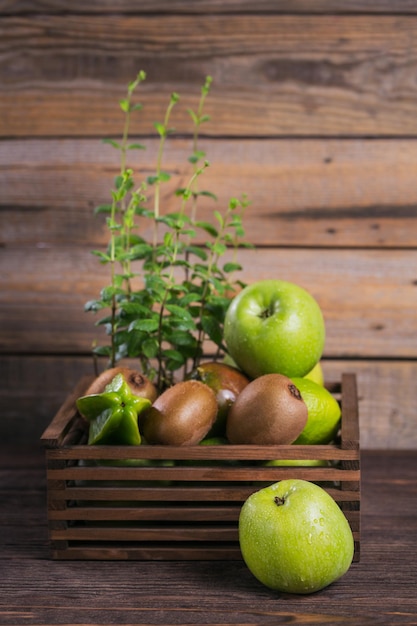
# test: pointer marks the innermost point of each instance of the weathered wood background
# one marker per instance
(314, 115)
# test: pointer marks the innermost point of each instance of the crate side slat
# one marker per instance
(55, 433)
(126, 515)
(148, 552)
(174, 494)
(155, 513)
(152, 533)
(148, 533)
(201, 474)
(99, 454)
(154, 552)
(350, 421)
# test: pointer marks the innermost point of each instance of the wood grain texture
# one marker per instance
(131, 7)
(198, 592)
(368, 297)
(305, 192)
(273, 74)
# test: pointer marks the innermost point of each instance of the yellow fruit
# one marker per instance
(295, 463)
(316, 374)
(323, 413)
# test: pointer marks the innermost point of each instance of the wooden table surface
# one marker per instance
(381, 589)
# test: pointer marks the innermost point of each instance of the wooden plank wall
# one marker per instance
(314, 115)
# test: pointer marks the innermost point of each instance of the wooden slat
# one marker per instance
(150, 551)
(197, 474)
(368, 297)
(169, 494)
(147, 533)
(154, 514)
(273, 74)
(217, 455)
(303, 192)
(16, 7)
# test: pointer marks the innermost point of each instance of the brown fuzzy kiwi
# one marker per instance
(227, 382)
(138, 383)
(181, 416)
(268, 411)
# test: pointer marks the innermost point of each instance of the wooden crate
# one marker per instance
(178, 502)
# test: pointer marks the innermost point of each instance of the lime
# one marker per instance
(295, 463)
(316, 374)
(323, 413)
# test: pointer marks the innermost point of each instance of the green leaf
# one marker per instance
(164, 177)
(104, 258)
(197, 251)
(193, 116)
(178, 311)
(174, 355)
(213, 328)
(196, 156)
(134, 309)
(208, 194)
(124, 105)
(160, 128)
(136, 146)
(146, 325)
(149, 347)
(113, 143)
(218, 248)
(219, 218)
(95, 305)
(140, 251)
(231, 267)
(190, 297)
(209, 228)
(103, 208)
(182, 338)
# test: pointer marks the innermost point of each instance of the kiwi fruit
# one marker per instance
(181, 416)
(268, 411)
(139, 384)
(227, 382)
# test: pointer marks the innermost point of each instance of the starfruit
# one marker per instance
(113, 414)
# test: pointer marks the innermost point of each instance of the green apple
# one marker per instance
(294, 538)
(274, 326)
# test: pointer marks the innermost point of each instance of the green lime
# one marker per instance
(295, 463)
(213, 441)
(316, 374)
(323, 413)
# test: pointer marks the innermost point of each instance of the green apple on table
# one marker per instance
(294, 537)
(274, 326)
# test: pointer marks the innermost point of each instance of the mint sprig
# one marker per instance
(169, 295)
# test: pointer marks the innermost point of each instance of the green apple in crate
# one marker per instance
(294, 537)
(274, 326)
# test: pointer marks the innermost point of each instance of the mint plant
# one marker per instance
(168, 296)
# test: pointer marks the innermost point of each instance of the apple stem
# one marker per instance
(279, 501)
